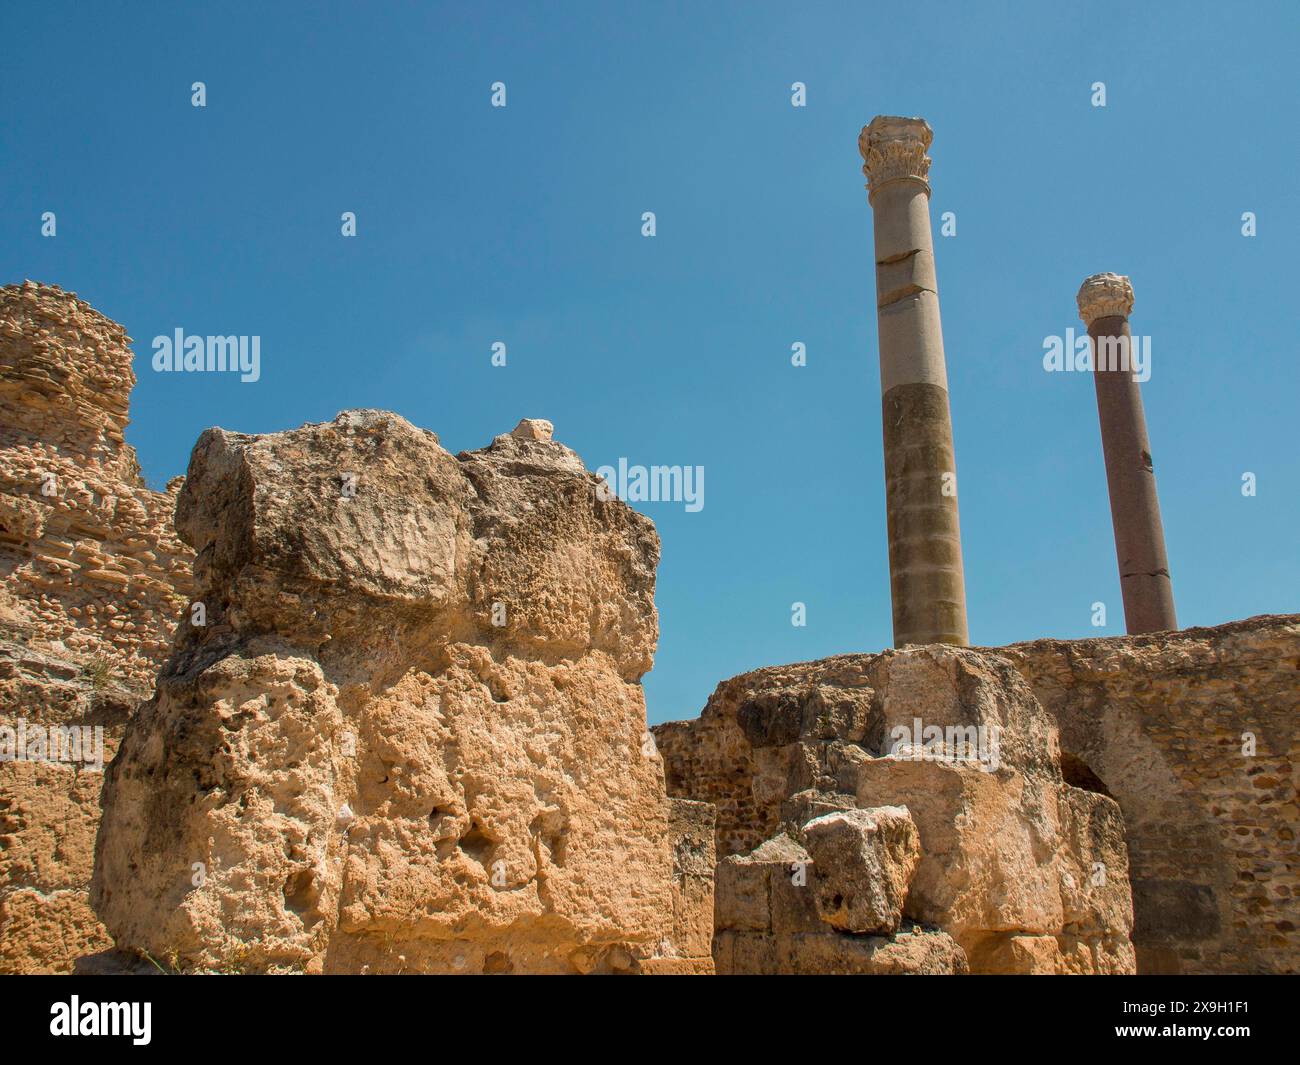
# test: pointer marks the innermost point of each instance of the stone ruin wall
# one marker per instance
(715, 764)
(871, 860)
(608, 875)
(1159, 720)
(93, 580)
(1155, 721)
(89, 561)
(411, 736)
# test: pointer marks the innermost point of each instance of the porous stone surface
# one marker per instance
(1007, 849)
(864, 861)
(49, 805)
(915, 951)
(772, 915)
(89, 561)
(1196, 734)
(533, 429)
(688, 949)
(411, 736)
(93, 580)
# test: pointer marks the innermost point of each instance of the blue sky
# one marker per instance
(523, 224)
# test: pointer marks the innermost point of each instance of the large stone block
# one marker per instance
(691, 827)
(824, 952)
(1095, 891)
(990, 847)
(864, 861)
(412, 736)
(742, 900)
(913, 953)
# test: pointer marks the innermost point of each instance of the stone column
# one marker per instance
(1105, 301)
(926, 580)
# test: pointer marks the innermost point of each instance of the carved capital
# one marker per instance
(1104, 296)
(894, 148)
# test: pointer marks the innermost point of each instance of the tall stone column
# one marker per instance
(1105, 302)
(927, 584)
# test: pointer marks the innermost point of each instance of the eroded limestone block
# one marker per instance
(1022, 955)
(989, 846)
(88, 555)
(743, 893)
(1095, 892)
(919, 952)
(864, 862)
(916, 952)
(533, 429)
(412, 736)
(691, 826)
(46, 933)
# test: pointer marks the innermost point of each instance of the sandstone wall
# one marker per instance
(49, 811)
(688, 949)
(1158, 721)
(92, 582)
(452, 652)
(1013, 870)
(411, 736)
(89, 561)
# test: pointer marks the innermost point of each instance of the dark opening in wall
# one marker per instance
(1078, 774)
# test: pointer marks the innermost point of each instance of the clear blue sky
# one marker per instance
(523, 224)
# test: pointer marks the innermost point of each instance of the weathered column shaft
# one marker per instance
(926, 579)
(1105, 301)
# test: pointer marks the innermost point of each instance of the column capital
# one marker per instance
(1105, 296)
(893, 149)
